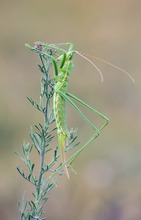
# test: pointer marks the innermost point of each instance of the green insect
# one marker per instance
(60, 97)
(63, 66)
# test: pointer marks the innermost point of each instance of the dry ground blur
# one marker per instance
(108, 183)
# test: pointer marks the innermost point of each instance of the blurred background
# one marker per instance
(108, 183)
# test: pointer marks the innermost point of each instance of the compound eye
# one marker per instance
(38, 47)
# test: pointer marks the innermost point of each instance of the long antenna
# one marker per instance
(111, 64)
(83, 55)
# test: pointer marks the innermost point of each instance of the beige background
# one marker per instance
(108, 183)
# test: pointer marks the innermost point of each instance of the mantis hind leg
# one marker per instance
(68, 97)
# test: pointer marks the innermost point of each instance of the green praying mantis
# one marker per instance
(62, 61)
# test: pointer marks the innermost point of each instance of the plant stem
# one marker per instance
(46, 121)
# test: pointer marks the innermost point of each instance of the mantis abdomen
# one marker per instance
(60, 112)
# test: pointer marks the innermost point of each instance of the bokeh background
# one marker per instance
(108, 183)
